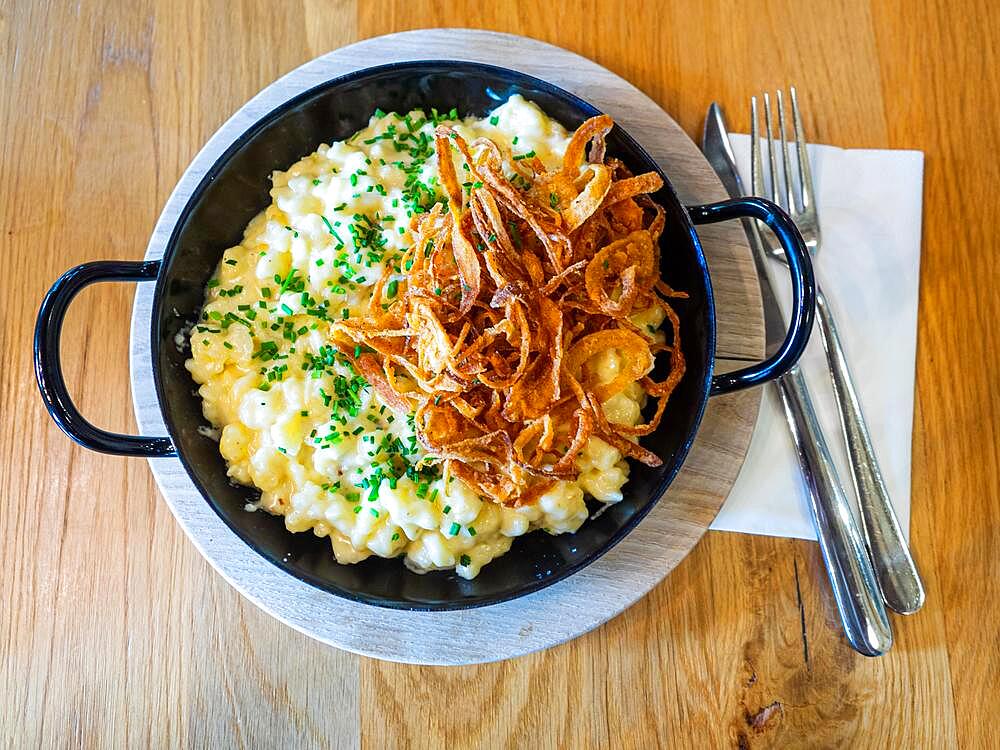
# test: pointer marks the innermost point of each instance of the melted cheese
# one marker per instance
(299, 424)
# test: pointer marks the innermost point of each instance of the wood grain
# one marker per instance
(102, 601)
(725, 636)
(113, 630)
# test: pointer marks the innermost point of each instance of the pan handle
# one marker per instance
(803, 289)
(48, 365)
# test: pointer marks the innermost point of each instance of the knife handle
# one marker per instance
(902, 589)
(852, 578)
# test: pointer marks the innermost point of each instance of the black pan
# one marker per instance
(236, 188)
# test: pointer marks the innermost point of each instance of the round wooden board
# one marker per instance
(604, 589)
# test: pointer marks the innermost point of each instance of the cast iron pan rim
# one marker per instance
(521, 79)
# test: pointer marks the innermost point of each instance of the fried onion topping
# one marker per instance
(514, 292)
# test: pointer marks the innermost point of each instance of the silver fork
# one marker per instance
(902, 588)
(841, 541)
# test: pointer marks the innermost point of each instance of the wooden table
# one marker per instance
(113, 631)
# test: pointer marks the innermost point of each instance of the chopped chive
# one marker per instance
(515, 234)
(465, 560)
(455, 528)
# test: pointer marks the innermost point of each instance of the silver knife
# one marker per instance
(855, 588)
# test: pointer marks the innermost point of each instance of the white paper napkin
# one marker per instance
(869, 264)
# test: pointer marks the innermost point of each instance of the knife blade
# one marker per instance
(718, 150)
(852, 578)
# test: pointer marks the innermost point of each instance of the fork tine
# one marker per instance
(756, 175)
(770, 149)
(786, 159)
(805, 172)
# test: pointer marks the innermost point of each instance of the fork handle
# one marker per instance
(897, 574)
(852, 579)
